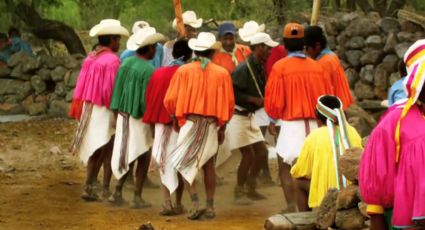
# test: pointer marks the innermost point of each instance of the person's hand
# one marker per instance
(272, 129)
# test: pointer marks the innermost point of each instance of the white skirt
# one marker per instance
(240, 131)
(100, 129)
(139, 142)
(291, 138)
(262, 119)
(210, 150)
(167, 171)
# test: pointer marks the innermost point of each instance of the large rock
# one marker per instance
(352, 76)
(71, 62)
(374, 41)
(401, 49)
(4, 71)
(350, 219)
(371, 104)
(363, 90)
(58, 73)
(394, 77)
(69, 96)
(390, 63)
(27, 102)
(362, 27)
(381, 77)
(411, 27)
(38, 84)
(367, 73)
(18, 73)
(348, 198)
(404, 36)
(349, 164)
(362, 121)
(21, 88)
(353, 57)
(17, 58)
(9, 109)
(372, 57)
(60, 89)
(327, 211)
(300, 220)
(391, 42)
(44, 74)
(31, 65)
(389, 25)
(51, 62)
(58, 108)
(332, 44)
(356, 42)
(71, 78)
(37, 109)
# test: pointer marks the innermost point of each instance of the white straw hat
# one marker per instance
(108, 27)
(204, 41)
(189, 18)
(144, 37)
(249, 29)
(139, 25)
(263, 38)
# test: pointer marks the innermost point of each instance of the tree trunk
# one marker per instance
(50, 29)
(279, 6)
(395, 6)
(380, 6)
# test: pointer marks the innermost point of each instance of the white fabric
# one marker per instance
(249, 29)
(139, 142)
(144, 37)
(108, 27)
(100, 129)
(139, 25)
(291, 139)
(262, 38)
(204, 41)
(189, 18)
(210, 150)
(167, 57)
(240, 131)
(168, 173)
(262, 119)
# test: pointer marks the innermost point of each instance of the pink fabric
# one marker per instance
(276, 54)
(96, 80)
(402, 185)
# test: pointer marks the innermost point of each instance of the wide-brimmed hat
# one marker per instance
(204, 41)
(189, 18)
(249, 29)
(139, 25)
(108, 27)
(263, 38)
(144, 37)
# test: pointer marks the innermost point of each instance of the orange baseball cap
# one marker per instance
(293, 30)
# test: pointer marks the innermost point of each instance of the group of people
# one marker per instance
(187, 103)
(12, 43)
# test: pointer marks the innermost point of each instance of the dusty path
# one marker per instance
(40, 185)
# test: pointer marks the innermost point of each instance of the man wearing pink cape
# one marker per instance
(392, 169)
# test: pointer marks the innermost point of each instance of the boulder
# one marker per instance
(352, 76)
(44, 74)
(17, 58)
(51, 62)
(353, 57)
(31, 65)
(332, 44)
(300, 220)
(326, 213)
(10, 109)
(367, 73)
(42, 99)
(400, 49)
(371, 104)
(411, 27)
(347, 198)
(38, 84)
(71, 62)
(363, 91)
(4, 71)
(349, 163)
(60, 89)
(374, 41)
(390, 43)
(356, 42)
(69, 96)
(394, 77)
(390, 63)
(58, 108)
(372, 57)
(381, 77)
(362, 27)
(37, 109)
(10, 86)
(58, 73)
(18, 73)
(71, 78)
(350, 219)
(362, 121)
(27, 102)
(389, 24)
(363, 209)
(404, 36)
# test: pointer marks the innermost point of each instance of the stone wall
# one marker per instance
(38, 85)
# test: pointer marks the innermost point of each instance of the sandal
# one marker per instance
(209, 214)
(139, 203)
(167, 210)
(116, 199)
(179, 209)
(89, 195)
(196, 214)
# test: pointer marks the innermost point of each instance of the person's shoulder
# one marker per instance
(319, 132)
(244, 48)
(219, 70)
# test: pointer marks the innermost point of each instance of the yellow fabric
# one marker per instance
(316, 162)
(374, 209)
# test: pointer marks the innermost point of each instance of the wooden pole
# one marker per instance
(315, 15)
(179, 18)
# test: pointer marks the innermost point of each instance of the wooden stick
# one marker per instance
(315, 15)
(179, 18)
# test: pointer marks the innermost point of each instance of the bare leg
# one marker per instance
(210, 185)
(287, 184)
(116, 198)
(141, 174)
(260, 155)
(245, 165)
(107, 170)
(93, 168)
(195, 212)
(167, 207)
(302, 189)
(179, 193)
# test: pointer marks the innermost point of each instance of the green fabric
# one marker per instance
(204, 61)
(388, 215)
(130, 87)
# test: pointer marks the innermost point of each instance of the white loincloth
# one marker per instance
(167, 171)
(100, 129)
(262, 119)
(139, 142)
(240, 131)
(210, 150)
(291, 139)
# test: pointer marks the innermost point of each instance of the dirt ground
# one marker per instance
(40, 186)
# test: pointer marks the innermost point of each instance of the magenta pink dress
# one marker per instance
(96, 80)
(400, 185)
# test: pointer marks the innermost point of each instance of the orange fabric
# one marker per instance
(332, 66)
(207, 92)
(293, 30)
(293, 88)
(225, 60)
(76, 109)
